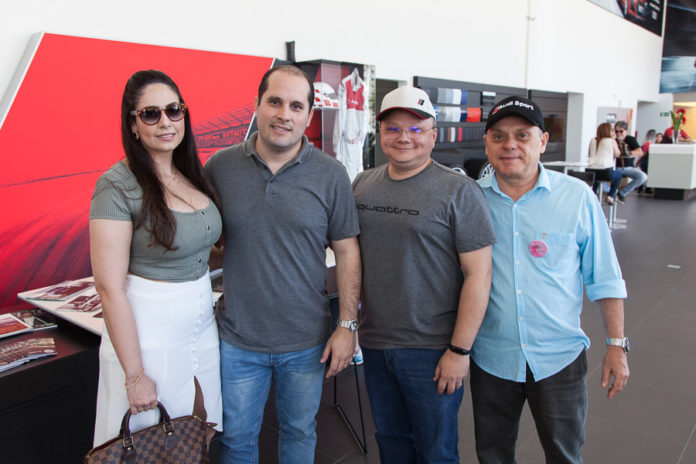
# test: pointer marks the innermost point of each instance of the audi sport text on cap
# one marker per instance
(516, 106)
(410, 99)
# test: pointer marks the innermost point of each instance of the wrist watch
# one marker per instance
(621, 342)
(351, 325)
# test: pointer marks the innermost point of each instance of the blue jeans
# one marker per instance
(637, 177)
(414, 423)
(246, 381)
(612, 175)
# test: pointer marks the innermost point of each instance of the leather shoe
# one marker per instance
(609, 200)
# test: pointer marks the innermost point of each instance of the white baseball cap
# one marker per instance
(411, 99)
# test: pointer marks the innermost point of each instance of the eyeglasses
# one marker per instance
(151, 115)
(619, 131)
(413, 132)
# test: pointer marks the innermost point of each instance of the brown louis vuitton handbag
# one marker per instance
(172, 441)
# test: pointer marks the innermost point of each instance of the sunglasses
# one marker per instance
(151, 115)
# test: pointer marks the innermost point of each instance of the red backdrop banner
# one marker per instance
(62, 130)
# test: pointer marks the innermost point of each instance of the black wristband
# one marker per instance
(456, 349)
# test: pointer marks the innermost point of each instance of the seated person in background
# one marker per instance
(683, 136)
(602, 156)
(658, 137)
(629, 148)
(650, 137)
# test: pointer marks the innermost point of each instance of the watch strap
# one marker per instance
(351, 325)
(621, 342)
(458, 350)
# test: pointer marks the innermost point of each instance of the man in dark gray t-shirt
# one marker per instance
(283, 202)
(425, 240)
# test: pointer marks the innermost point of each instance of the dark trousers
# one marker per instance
(558, 405)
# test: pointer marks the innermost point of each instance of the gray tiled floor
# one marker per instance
(654, 420)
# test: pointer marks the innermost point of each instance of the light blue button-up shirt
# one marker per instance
(551, 241)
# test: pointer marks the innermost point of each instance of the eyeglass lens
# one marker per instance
(411, 131)
(174, 111)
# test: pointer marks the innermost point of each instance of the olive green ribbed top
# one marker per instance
(118, 196)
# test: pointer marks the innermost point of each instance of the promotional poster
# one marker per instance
(644, 13)
(60, 129)
(678, 73)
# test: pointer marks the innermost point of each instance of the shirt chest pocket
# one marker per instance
(552, 251)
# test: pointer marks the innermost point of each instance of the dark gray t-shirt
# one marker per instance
(411, 234)
(276, 230)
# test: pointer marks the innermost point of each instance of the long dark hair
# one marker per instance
(155, 215)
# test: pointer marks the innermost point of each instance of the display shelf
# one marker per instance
(343, 123)
(460, 143)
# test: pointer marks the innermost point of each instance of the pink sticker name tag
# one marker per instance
(538, 248)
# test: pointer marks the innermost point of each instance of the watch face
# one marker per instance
(350, 325)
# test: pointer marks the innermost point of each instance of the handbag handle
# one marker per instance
(127, 438)
(125, 428)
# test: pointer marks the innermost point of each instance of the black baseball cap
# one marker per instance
(516, 106)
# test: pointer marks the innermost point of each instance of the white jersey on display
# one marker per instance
(351, 123)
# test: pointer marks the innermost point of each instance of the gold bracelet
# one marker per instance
(135, 382)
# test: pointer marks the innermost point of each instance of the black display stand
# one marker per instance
(48, 406)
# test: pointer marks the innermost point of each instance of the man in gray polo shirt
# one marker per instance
(283, 202)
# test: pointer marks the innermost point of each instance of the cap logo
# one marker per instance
(421, 101)
(524, 105)
(515, 103)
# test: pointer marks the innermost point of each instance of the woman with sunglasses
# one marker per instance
(152, 223)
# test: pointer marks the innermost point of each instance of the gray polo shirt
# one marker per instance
(276, 230)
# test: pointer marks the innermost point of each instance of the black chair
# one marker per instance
(586, 176)
(602, 175)
(554, 168)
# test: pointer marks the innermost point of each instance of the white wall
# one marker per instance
(650, 115)
(558, 45)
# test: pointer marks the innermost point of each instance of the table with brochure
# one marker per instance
(75, 301)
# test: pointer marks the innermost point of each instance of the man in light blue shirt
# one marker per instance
(552, 240)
